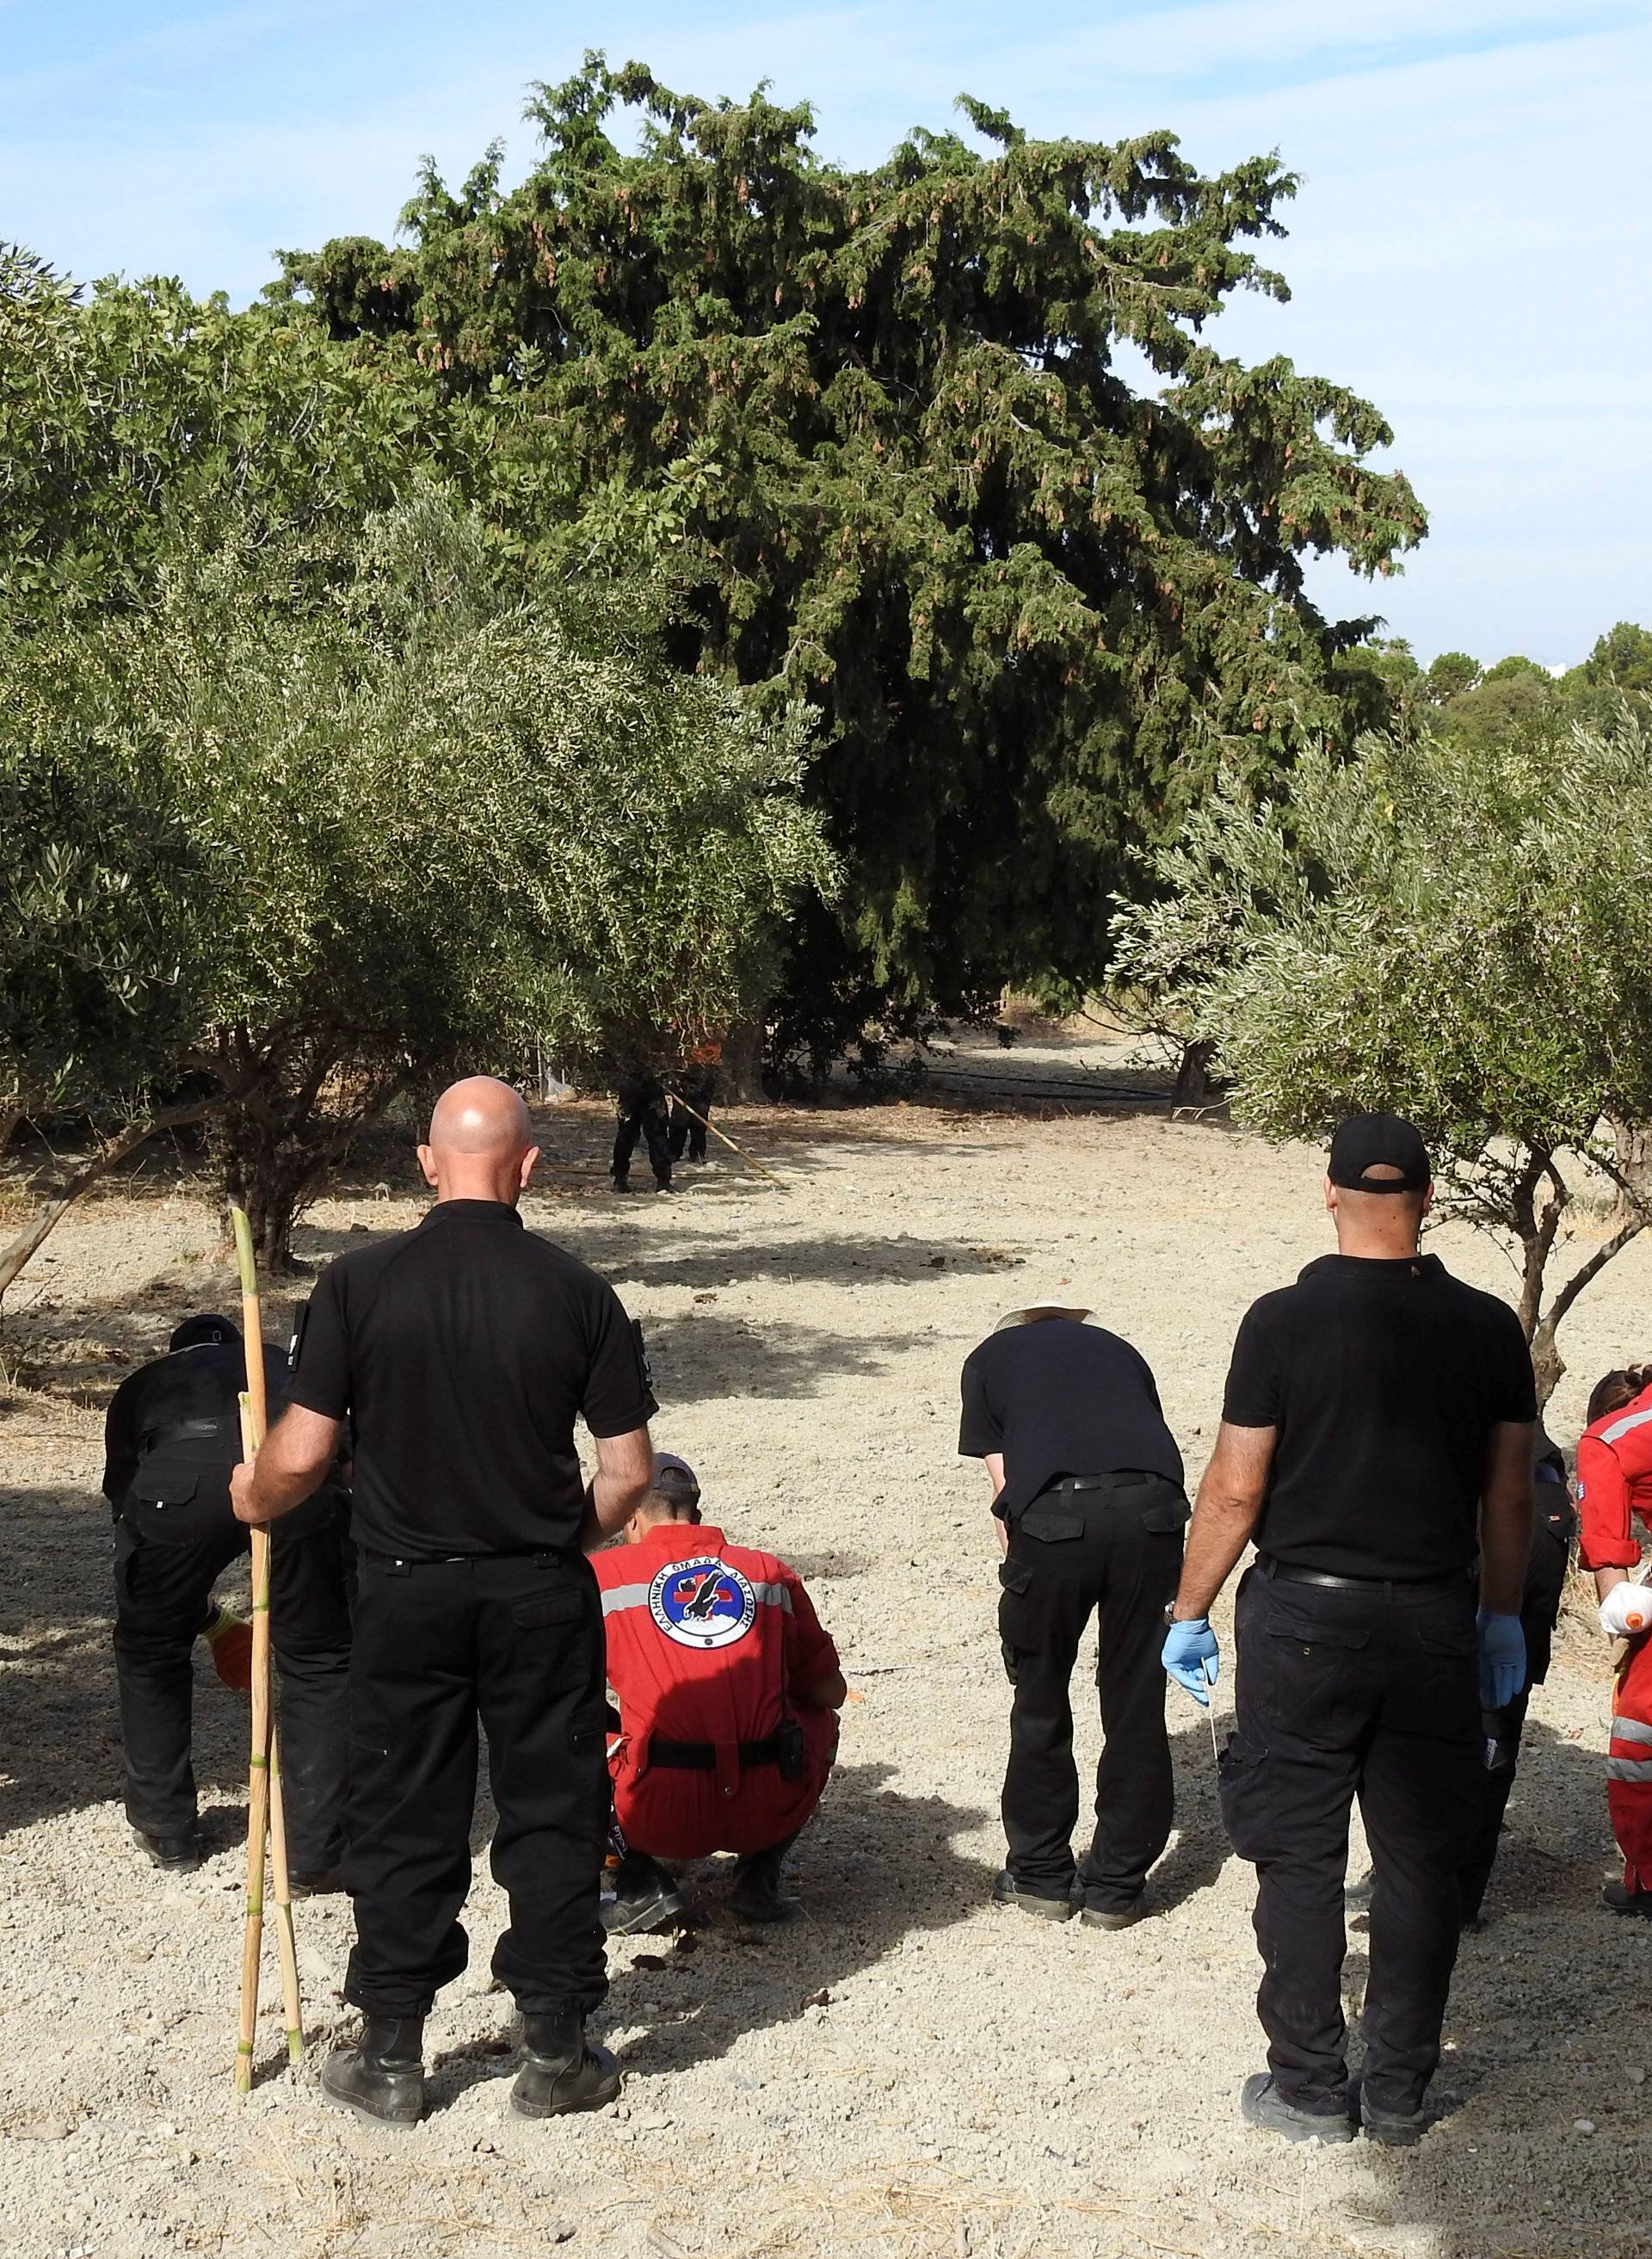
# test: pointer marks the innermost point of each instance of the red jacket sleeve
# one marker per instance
(1605, 1539)
(812, 1654)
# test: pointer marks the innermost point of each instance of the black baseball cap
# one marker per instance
(1379, 1141)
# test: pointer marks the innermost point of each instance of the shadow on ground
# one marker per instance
(875, 1869)
(60, 1732)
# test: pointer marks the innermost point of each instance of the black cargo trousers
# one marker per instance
(1112, 1546)
(1371, 1692)
(643, 1112)
(515, 1640)
(174, 1536)
(697, 1087)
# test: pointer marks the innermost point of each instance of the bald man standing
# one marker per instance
(460, 1353)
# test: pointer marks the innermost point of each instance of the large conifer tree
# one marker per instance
(899, 425)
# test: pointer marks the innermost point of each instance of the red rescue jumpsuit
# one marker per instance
(708, 1643)
(1614, 1481)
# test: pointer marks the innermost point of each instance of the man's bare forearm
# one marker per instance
(291, 1467)
(1509, 1510)
(1219, 1531)
(1506, 1544)
(625, 1469)
(1226, 1511)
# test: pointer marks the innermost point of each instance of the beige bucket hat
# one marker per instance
(1047, 1305)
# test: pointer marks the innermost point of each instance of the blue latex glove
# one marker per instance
(1192, 1657)
(1502, 1659)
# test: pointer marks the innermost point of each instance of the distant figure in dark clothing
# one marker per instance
(696, 1086)
(641, 1098)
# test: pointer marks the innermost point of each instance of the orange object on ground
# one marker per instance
(229, 1638)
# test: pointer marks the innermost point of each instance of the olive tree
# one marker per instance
(1461, 934)
(403, 815)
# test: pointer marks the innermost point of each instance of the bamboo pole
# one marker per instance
(265, 1818)
(280, 1885)
(678, 1099)
(257, 1804)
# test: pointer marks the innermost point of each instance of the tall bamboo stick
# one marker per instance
(748, 1158)
(257, 1803)
(280, 1886)
(263, 1816)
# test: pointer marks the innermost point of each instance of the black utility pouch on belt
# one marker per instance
(788, 1749)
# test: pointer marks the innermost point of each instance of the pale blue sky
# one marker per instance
(1470, 248)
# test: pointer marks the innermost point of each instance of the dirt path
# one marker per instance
(907, 2072)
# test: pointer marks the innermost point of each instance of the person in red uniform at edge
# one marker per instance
(728, 1689)
(1615, 1483)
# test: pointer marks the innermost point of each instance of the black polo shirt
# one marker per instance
(201, 1387)
(462, 1352)
(1058, 1397)
(1383, 1380)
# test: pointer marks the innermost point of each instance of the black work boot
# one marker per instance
(1113, 1917)
(1264, 2106)
(756, 1894)
(1619, 1898)
(559, 2072)
(645, 1897)
(320, 1883)
(1007, 1891)
(382, 2077)
(1395, 2129)
(179, 1854)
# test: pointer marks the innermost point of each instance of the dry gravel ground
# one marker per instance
(907, 2071)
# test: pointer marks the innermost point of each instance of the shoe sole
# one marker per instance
(1093, 1918)
(1041, 1909)
(664, 1914)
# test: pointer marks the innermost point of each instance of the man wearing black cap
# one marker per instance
(1377, 1429)
(171, 1438)
(1087, 1488)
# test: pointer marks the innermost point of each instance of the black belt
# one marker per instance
(1102, 1482)
(701, 1756)
(542, 1555)
(1386, 1588)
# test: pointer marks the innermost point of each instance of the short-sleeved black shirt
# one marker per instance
(462, 1352)
(1385, 1379)
(1058, 1397)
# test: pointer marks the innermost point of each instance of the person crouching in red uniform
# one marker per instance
(728, 1689)
(1615, 1483)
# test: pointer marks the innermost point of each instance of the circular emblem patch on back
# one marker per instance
(701, 1603)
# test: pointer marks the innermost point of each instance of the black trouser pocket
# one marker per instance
(1167, 1514)
(1015, 1581)
(542, 1611)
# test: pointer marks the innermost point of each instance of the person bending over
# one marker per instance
(728, 1689)
(1087, 1489)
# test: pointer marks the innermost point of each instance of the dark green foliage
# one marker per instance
(888, 422)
